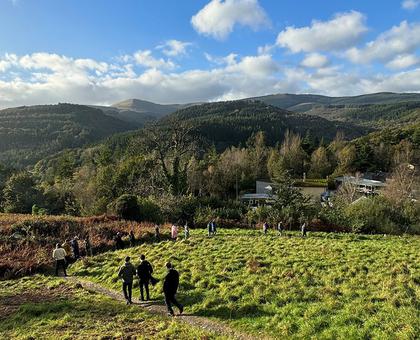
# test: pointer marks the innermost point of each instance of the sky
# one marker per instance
(179, 51)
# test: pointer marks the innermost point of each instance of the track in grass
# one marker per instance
(333, 286)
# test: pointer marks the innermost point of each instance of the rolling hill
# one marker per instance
(232, 123)
(29, 133)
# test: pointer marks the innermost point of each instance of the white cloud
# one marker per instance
(403, 61)
(401, 39)
(315, 60)
(218, 17)
(338, 33)
(230, 59)
(145, 58)
(173, 48)
(410, 4)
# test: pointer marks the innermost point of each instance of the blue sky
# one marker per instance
(102, 51)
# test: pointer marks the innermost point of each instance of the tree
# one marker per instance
(20, 193)
(345, 159)
(258, 153)
(127, 207)
(320, 165)
(173, 146)
(402, 185)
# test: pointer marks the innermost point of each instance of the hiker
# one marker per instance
(59, 255)
(132, 239)
(280, 228)
(75, 247)
(170, 286)
(265, 228)
(66, 246)
(157, 233)
(144, 273)
(126, 274)
(186, 231)
(88, 246)
(119, 244)
(213, 227)
(174, 232)
(210, 228)
(303, 229)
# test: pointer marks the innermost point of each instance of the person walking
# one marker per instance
(210, 228)
(144, 273)
(170, 287)
(132, 239)
(303, 229)
(186, 231)
(75, 247)
(174, 232)
(265, 228)
(157, 233)
(126, 274)
(88, 246)
(213, 227)
(66, 246)
(280, 228)
(59, 255)
(119, 244)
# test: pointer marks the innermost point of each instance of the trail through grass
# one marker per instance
(328, 286)
(41, 307)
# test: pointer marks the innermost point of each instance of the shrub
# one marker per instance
(127, 207)
(374, 214)
(149, 211)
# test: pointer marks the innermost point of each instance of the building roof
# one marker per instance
(360, 181)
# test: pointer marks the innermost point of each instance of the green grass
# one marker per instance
(328, 286)
(50, 308)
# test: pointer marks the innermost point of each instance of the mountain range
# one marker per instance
(30, 133)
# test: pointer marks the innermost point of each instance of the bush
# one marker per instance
(127, 207)
(150, 211)
(372, 215)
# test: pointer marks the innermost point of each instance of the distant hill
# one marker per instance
(149, 108)
(303, 102)
(232, 123)
(130, 116)
(29, 133)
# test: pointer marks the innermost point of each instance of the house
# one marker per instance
(364, 186)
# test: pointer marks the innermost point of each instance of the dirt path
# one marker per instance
(156, 307)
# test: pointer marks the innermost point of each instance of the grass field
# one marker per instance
(327, 286)
(41, 307)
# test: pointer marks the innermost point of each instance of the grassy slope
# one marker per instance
(54, 309)
(326, 286)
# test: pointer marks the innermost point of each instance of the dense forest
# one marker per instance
(29, 134)
(194, 163)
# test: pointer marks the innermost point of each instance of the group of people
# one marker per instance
(68, 252)
(175, 231)
(127, 272)
(280, 228)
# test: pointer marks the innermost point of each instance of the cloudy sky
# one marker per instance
(177, 51)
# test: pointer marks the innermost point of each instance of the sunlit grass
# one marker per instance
(67, 312)
(325, 286)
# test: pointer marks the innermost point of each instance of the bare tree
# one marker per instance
(347, 192)
(173, 146)
(402, 185)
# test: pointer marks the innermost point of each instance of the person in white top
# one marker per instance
(59, 255)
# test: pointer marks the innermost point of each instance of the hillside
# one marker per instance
(232, 123)
(126, 115)
(30, 133)
(149, 108)
(302, 102)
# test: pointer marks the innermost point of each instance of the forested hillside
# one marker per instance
(28, 134)
(232, 123)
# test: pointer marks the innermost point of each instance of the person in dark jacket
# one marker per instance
(88, 246)
(170, 287)
(119, 244)
(75, 247)
(144, 273)
(303, 229)
(132, 239)
(157, 233)
(126, 274)
(265, 228)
